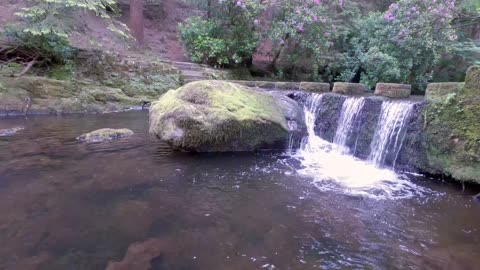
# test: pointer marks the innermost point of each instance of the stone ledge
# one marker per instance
(393, 90)
(272, 85)
(349, 88)
(315, 87)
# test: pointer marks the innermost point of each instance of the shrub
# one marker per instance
(402, 45)
(227, 36)
(305, 30)
(42, 36)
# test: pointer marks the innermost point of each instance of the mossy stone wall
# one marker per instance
(453, 128)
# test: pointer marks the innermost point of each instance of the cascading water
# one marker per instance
(332, 169)
(390, 132)
(351, 110)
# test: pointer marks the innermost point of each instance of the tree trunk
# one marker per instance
(136, 20)
(209, 9)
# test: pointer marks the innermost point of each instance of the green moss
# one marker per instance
(216, 115)
(453, 131)
(10, 69)
(55, 96)
(440, 90)
(62, 72)
(105, 134)
(472, 81)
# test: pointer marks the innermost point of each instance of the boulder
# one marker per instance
(10, 131)
(349, 88)
(105, 135)
(393, 90)
(218, 116)
(315, 87)
(293, 113)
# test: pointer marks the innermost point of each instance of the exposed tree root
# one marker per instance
(26, 56)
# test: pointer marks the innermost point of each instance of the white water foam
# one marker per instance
(333, 169)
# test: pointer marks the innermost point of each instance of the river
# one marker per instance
(66, 205)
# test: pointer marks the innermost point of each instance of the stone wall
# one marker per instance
(452, 129)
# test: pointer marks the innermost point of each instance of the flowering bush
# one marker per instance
(227, 36)
(402, 44)
(306, 28)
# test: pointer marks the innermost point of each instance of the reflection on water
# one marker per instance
(133, 204)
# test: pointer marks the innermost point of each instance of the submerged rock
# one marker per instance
(104, 135)
(140, 256)
(10, 131)
(219, 116)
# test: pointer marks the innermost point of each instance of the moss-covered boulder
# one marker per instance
(453, 129)
(105, 135)
(218, 116)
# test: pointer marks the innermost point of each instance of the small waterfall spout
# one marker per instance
(390, 132)
(351, 110)
(311, 107)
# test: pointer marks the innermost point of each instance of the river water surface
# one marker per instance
(65, 205)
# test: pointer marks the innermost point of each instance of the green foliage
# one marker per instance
(62, 72)
(401, 45)
(54, 47)
(203, 42)
(305, 30)
(47, 24)
(226, 37)
(52, 16)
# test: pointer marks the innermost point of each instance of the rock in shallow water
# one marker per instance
(10, 131)
(105, 135)
(218, 116)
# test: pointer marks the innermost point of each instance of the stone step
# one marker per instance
(188, 79)
(187, 66)
(187, 73)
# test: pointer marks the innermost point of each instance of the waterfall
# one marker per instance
(333, 170)
(311, 107)
(390, 132)
(351, 110)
